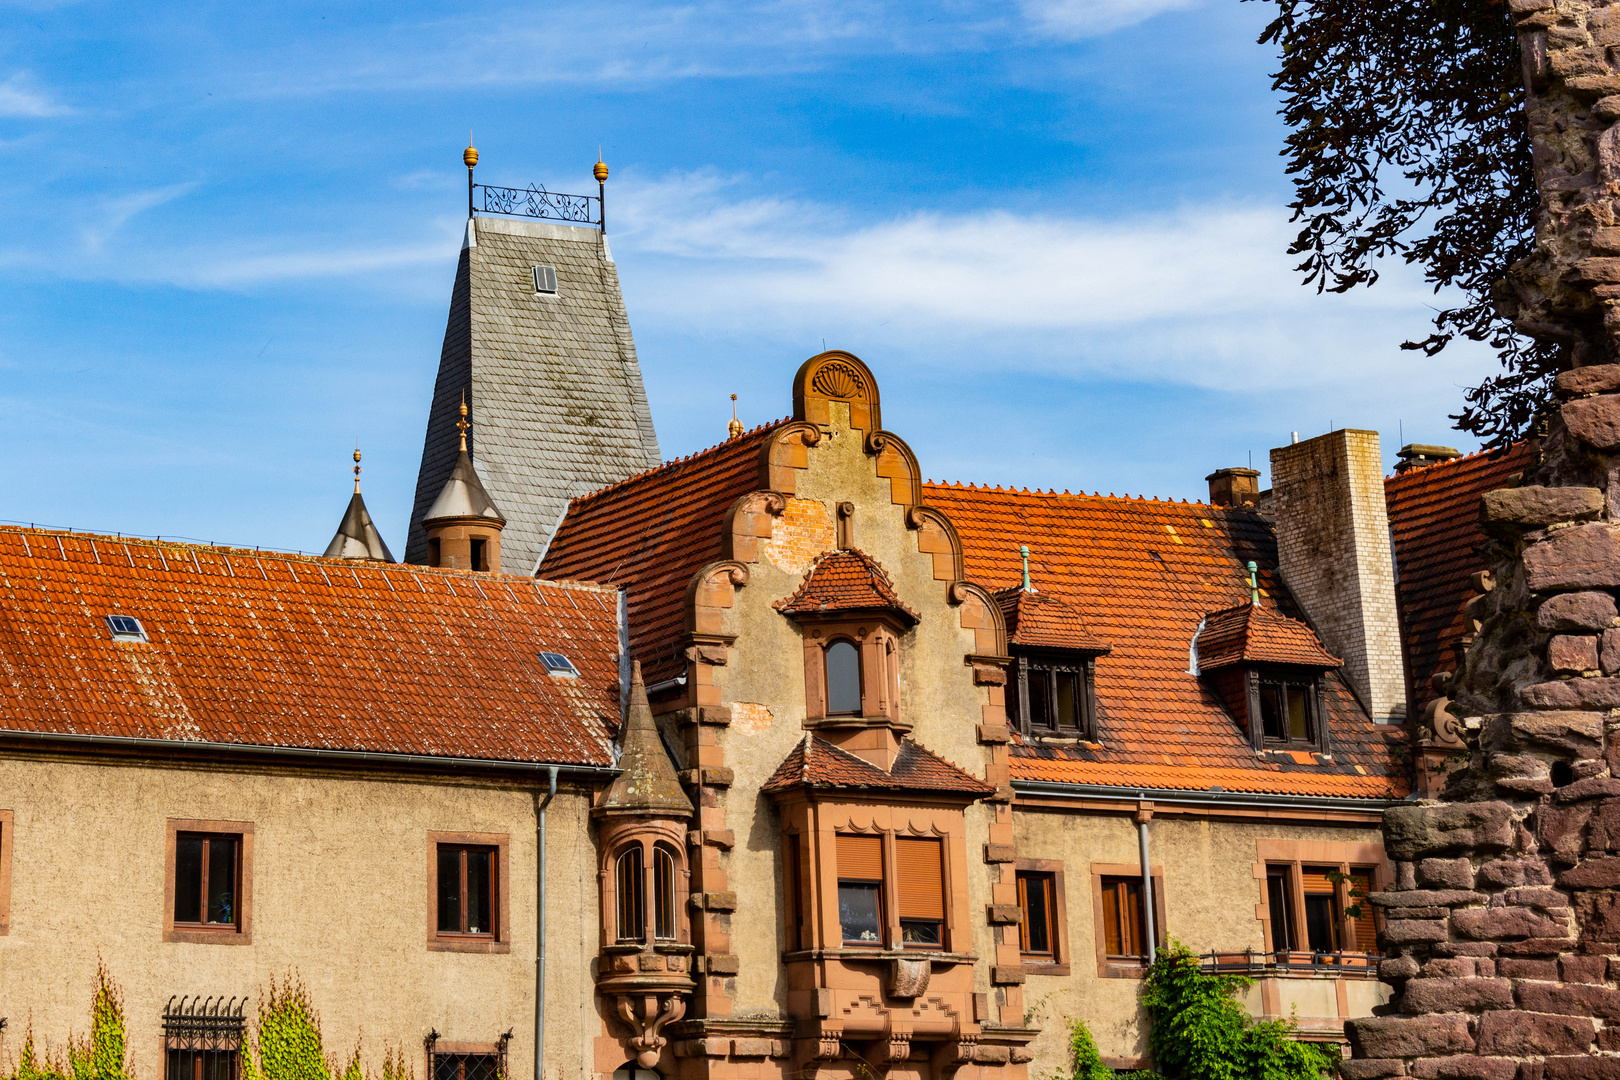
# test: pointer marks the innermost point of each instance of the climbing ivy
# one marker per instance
(100, 1056)
(288, 1046)
(1086, 1061)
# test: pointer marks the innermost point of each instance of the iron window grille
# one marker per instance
(468, 1065)
(202, 1038)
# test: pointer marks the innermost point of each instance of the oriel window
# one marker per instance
(467, 902)
(207, 879)
(629, 886)
(920, 881)
(843, 661)
(860, 890)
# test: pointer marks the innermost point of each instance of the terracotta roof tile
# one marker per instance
(1038, 620)
(1142, 573)
(1434, 515)
(815, 762)
(846, 580)
(1249, 633)
(651, 533)
(273, 650)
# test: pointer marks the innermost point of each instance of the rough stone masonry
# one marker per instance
(1502, 932)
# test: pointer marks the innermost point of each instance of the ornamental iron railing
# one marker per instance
(1291, 962)
(202, 1038)
(535, 201)
(459, 1064)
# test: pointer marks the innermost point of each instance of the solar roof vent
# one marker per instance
(545, 278)
(126, 628)
(558, 664)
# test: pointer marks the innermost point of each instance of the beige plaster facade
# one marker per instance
(340, 896)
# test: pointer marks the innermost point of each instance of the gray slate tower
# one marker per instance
(549, 370)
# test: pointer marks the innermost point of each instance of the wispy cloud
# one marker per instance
(21, 98)
(115, 211)
(1075, 19)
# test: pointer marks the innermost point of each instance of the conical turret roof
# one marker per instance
(646, 783)
(357, 537)
(463, 496)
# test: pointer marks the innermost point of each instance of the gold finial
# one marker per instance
(470, 155)
(357, 468)
(462, 425)
(601, 170)
(734, 428)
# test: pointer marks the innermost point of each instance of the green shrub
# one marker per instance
(1201, 1032)
(1083, 1054)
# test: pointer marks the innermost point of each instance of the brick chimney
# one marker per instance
(1233, 487)
(1333, 544)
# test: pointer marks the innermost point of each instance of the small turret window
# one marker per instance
(843, 679)
(663, 894)
(629, 883)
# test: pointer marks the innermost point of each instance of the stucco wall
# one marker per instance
(1211, 902)
(340, 897)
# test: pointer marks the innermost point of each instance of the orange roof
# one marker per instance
(311, 653)
(1434, 515)
(1038, 620)
(1142, 573)
(815, 762)
(846, 580)
(651, 533)
(1251, 634)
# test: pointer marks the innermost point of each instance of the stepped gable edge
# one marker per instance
(651, 533)
(1143, 573)
(263, 649)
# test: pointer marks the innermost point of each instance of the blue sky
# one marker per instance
(1056, 230)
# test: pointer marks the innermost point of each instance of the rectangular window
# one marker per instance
(794, 901)
(1323, 915)
(467, 883)
(1286, 713)
(202, 1039)
(860, 889)
(206, 879)
(1280, 906)
(1124, 928)
(1363, 928)
(1055, 696)
(920, 886)
(1037, 935)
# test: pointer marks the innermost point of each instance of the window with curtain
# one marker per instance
(629, 886)
(1124, 927)
(663, 894)
(1037, 933)
(843, 661)
(920, 888)
(207, 870)
(860, 889)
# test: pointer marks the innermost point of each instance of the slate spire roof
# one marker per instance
(552, 380)
(464, 496)
(647, 783)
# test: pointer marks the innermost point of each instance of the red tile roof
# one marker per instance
(1142, 573)
(313, 653)
(847, 580)
(1249, 634)
(650, 534)
(1040, 620)
(815, 762)
(1434, 515)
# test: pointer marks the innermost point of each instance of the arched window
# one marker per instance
(663, 894)
(843, 679)
(630, 885)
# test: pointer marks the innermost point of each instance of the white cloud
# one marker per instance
(114, 212)
(1075, 19)
(19, 97)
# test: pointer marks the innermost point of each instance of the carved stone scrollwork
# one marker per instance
(829, 1047)
(645, 1028)
(1441, 728)
(898, 1046)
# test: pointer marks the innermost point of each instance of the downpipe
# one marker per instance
(1143, 816)
(540, 930)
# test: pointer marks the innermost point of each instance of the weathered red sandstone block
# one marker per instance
(1397, 968)
(1458, 967)
(1564, 732)
(1577, 611)
(1401, 1036)
(1599, 693)
(1424, 898)
(1465, 1068)
(1495, 924)
(1595, 421)
(1520, 773)
(1583, 969)
(1593, 787)
(1599, 873)
(1414, 831)
(1465, 948)
(1573, 653)
(1536, 946)
(1512, 968)
(1446, 873)
(1529, 506)
(1562, 830)
(1581, 1068)
(1524, 1034)
(1456, 995)
(1544, 898)
(1596, 379)
(1584, 557)
(1371, 1070)
(1413, 931)
(1598, 912)
(1604, 834)
(1609, 1038)
(1503, 872)
(1568, 999)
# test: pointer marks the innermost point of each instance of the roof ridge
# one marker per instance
(1480, 452)
(646, 474)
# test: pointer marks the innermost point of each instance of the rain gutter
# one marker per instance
(1174, 797)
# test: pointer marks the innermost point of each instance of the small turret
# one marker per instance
(464, 525)
(357, 537)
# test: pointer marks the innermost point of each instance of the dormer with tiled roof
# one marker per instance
(817, 763)
(844, 583)
(1251, 634)
(1267, 668)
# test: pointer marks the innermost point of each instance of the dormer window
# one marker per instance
(1287, 714)
(1267, 668)
(1052, 690)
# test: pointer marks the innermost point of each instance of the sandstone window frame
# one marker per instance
(656, 897)
(1029, 668)
(7, 836)
(890, 892)
(1347, 857)
(1050, 871)
(1116, 967)
(500, 941)
(241, 932)
(877, 642)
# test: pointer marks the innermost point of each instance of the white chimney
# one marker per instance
(1334, 546)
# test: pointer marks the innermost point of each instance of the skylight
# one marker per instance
(545, 278)
(558, 664)
(126, 628)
